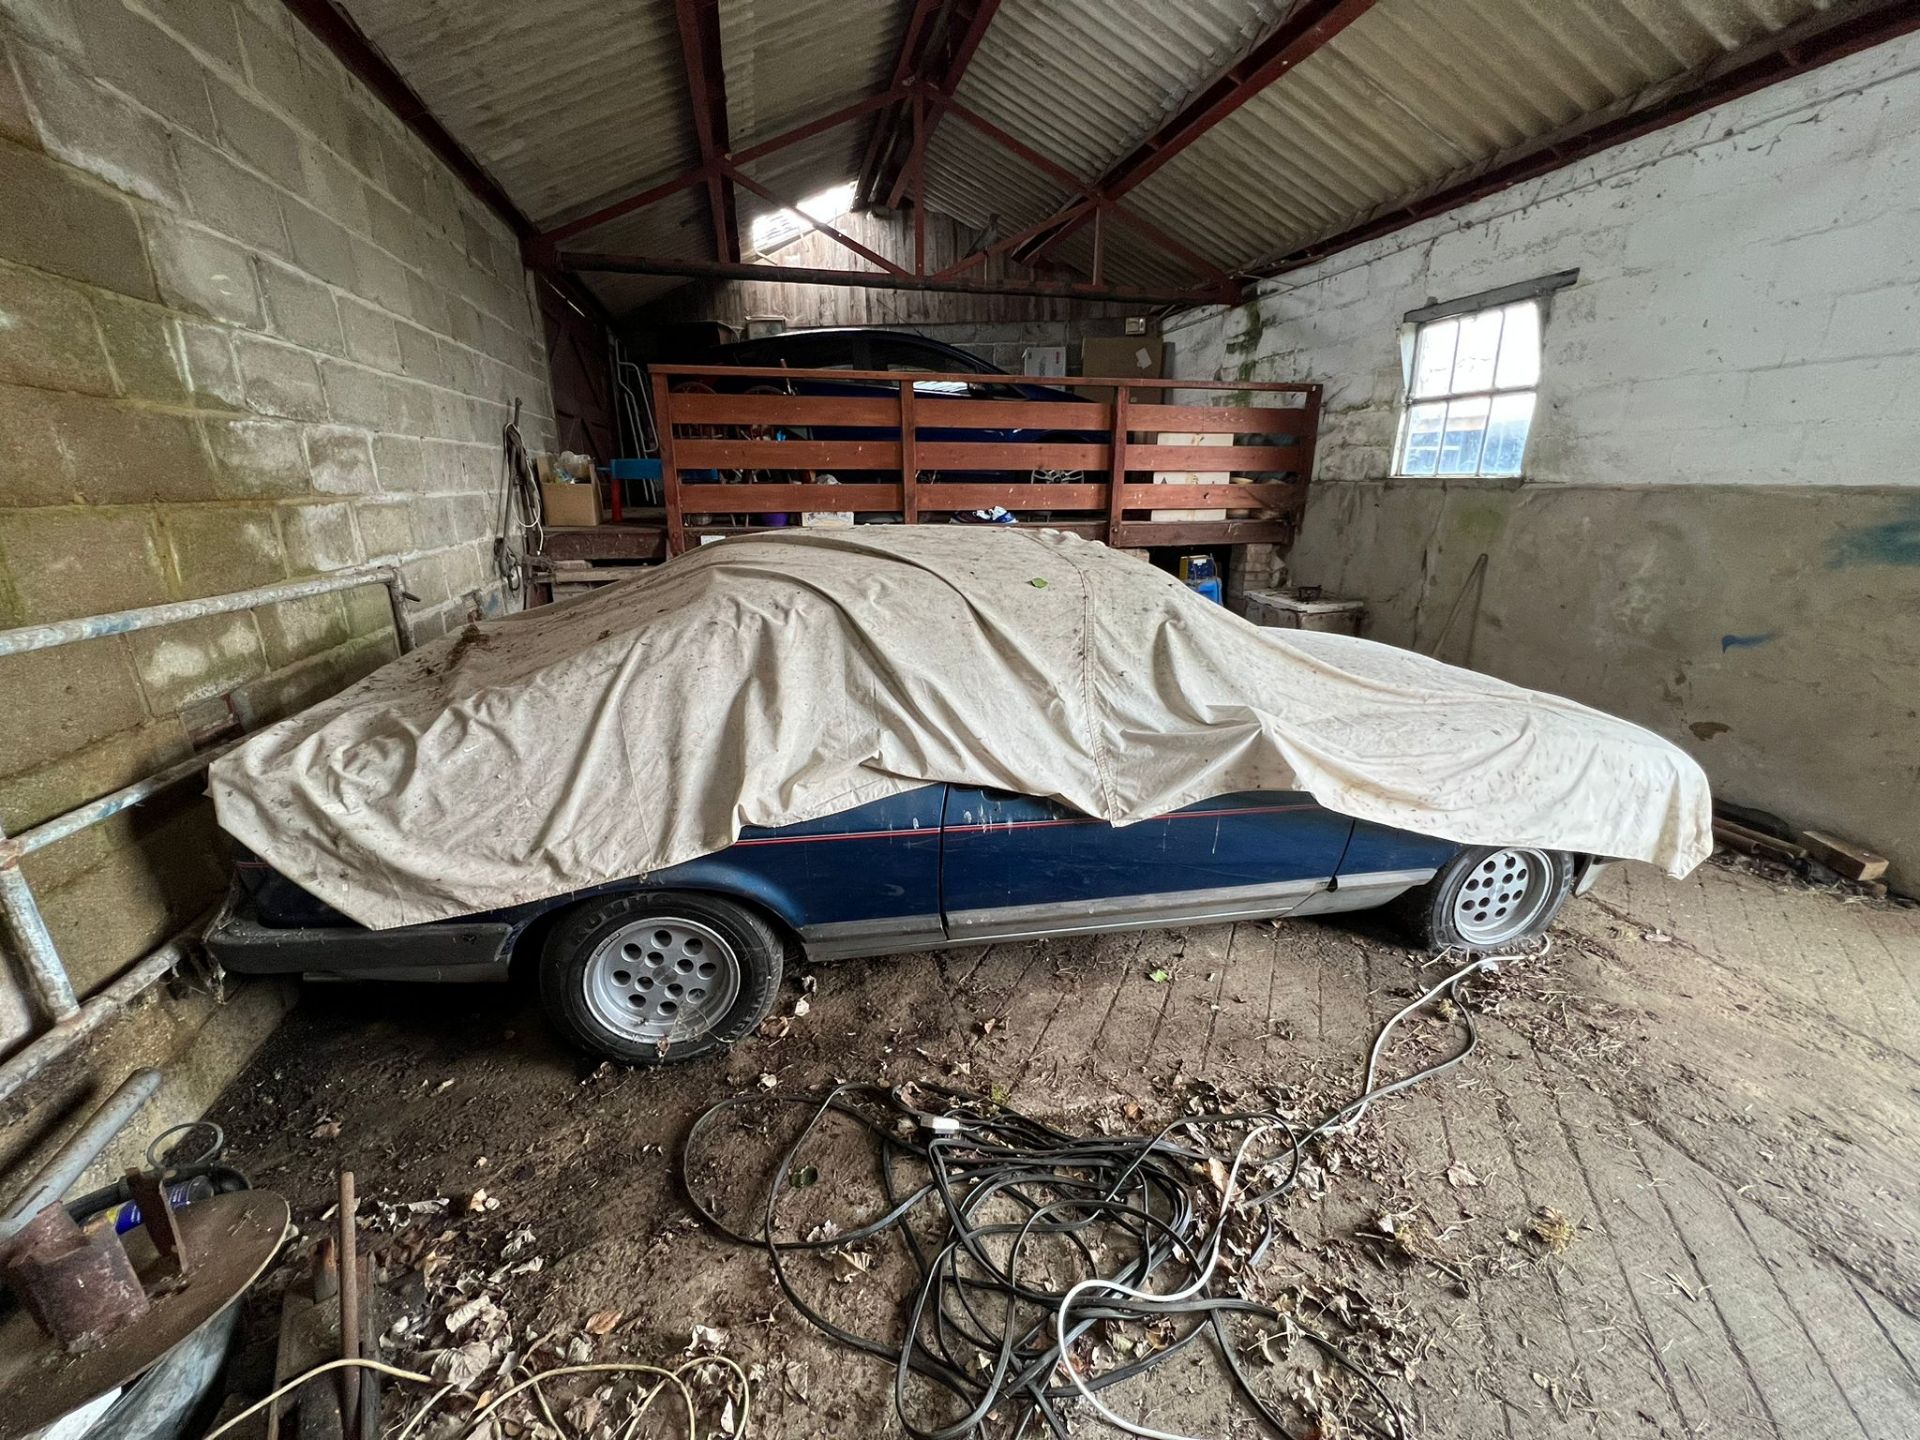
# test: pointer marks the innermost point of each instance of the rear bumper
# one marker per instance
(451, 951)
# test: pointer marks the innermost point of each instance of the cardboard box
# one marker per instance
(567, 506)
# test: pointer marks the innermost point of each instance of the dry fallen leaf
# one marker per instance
(1459, 1174)
(327, 1129)
(600, 1322)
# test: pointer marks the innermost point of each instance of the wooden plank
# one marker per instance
(895, 377)
(1062, 415)
(1019, 496)
(1278, 495)
(1211, 459)
(909, 431)
(669, 465)
(834, 455)
(1137, 534)
(877, 411)
(1219, 419)
(607, 542)
(775, 499)
(1117, 466)
(1843, 857)
(987, 455)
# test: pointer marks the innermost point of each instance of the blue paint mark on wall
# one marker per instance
(1894, 542)
(1745, 642)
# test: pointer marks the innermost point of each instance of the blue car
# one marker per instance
(687, 960)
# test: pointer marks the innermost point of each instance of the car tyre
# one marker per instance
(1487, 898)
(656, 977)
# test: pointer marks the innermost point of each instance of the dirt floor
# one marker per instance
(1672, 1193)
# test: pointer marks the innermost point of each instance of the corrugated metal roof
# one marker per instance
(572, 103)
(1418, 91)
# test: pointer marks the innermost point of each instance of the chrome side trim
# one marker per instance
(1129, 912)
(1364, 891)
(851, 939)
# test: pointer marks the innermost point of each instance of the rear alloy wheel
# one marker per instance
(1485, 899)
(659, 976)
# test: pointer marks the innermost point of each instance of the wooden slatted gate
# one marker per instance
(753, 443)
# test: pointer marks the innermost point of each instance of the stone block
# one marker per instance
(229, 199)
(358, 396)
(213, 374)
(420, 355)
(427, 303)
(210, 26)
(280, 379)
(16, 122)
(256, 135)
(143, 347)
(275, 696)
(386, 527)
(69, 561)
(379, 277)
(300, 310)
(141, 60)
(296, 629)
(340, 460)
(400, 462)
(218, 548)
(196, 660)
(256, 458)
(320, 247)
(319, 537)
(333, 187)
(370, 336)
(204, 273)
(51, 340)
(405, 176)
(56, 219)
(59, 449)
(60, 701)
(89, 126)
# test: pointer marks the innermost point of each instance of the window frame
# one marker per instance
(1539, 292)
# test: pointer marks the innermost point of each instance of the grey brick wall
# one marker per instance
(250, 328)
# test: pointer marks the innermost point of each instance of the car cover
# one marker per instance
(767, 680)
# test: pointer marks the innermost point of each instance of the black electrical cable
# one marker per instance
(999, 1182)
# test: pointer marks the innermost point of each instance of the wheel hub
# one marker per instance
(1503, 897)
(662, 978)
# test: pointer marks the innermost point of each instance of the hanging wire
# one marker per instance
(518, 517)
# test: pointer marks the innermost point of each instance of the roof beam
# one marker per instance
(699, 22)
(885, 124)
(948, 49)
(1310, 26)
(1819, 40)
(597, 264)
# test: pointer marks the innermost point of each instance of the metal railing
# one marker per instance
(68, 1019)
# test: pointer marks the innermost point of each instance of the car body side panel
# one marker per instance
(1016, 865)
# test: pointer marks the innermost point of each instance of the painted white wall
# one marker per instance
(1718, 532)
(1748, 309)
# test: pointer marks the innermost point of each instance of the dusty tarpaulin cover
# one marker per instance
(764, 681)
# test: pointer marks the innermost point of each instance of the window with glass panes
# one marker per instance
(1471, 392)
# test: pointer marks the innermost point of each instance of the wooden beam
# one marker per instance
(590, 263)
(686, 179)
(699, 22)
(951, 49)
(1308, 27)
(821, 226)
(904, 64)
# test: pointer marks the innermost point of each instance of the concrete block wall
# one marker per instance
(1718, 533)
(250, 329)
